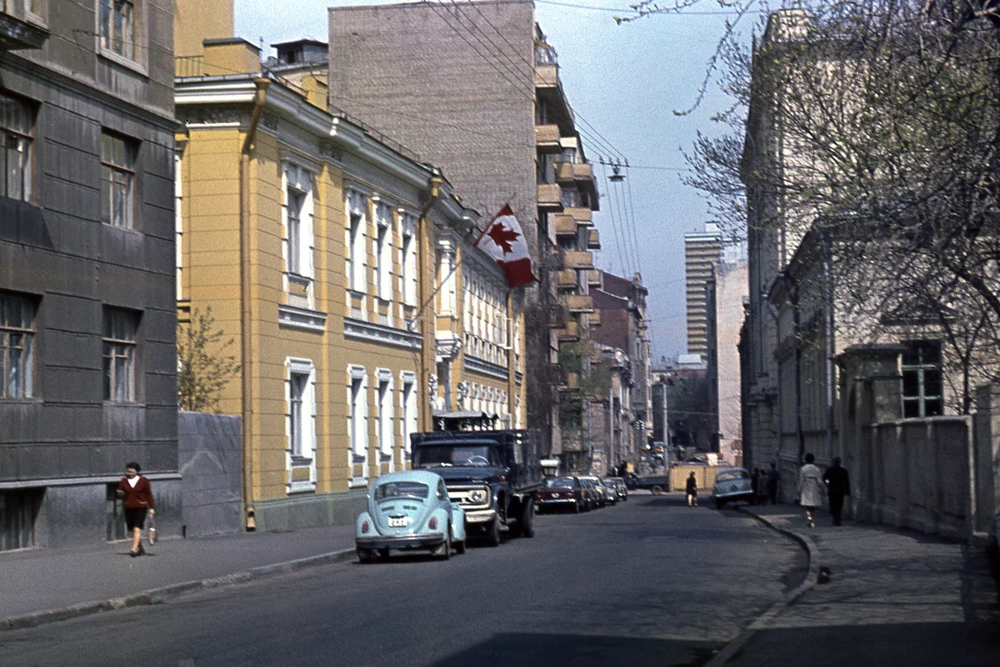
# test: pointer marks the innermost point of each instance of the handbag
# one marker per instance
(151, 535)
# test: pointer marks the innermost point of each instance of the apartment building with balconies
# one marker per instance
(474, 87)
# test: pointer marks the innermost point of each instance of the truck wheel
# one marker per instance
(493, 532)
(527, 522)
(657, 489)
(576, 508)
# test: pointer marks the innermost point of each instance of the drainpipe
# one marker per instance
(246, 293)
(777, 336)
(830, 349)
(428, 324)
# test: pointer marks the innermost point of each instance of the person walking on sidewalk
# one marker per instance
(692, 491)
(838, 485)
(138, 495)
(773, 478)
(811, 489)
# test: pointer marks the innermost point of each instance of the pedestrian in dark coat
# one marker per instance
(692, 491)
(755, 483)
(773, 477)
(138, 495)
(838, 485)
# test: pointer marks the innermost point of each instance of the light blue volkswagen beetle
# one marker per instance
(409, 510)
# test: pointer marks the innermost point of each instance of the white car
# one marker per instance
(732, 484)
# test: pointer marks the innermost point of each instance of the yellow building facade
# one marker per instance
(344, 270)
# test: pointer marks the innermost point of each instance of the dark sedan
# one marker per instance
(561, 493)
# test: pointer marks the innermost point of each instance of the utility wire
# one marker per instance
(631, 206)
(614, 227)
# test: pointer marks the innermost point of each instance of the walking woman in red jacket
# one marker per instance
(138, 495)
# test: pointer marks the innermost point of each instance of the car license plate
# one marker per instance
(398, 522)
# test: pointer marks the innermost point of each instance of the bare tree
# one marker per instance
(204, 367)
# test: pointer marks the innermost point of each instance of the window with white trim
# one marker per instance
(357, 415)
(117, 181)
(116, 22)
(408, 411)
(356, 251)
(408, 259)
(15, 125)
(922, 387)
(385, 413)
(383, 251)
(120, 347)
(17, 335)
(301, 412)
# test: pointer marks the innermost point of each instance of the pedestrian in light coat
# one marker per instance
(811, 489)
(838, 485)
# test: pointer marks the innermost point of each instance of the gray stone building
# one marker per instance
(87, 314)
(473, 87)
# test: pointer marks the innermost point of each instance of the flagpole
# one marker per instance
(454, 267)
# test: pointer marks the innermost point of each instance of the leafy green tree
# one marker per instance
(204, 366)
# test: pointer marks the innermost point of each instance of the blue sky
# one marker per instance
(626, 81)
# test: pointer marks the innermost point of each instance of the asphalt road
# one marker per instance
(650, 582)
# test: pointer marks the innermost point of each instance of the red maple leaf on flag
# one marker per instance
(503, 237)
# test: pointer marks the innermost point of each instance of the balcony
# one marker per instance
(578, 303)
(566, 279)
(570, 333)
(571, 383)
(595, 318)
(572, 259)
(19, 28)
(566, 226)
(594, 278)
(583, 216)
(568, 172)
(593, 239)
(547, 139)
(549, 198)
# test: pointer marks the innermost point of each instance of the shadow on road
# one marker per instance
(528, 650)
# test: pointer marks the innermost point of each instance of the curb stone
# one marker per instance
(165, 593)
(812, 576)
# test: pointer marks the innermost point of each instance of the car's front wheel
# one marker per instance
(460, 547)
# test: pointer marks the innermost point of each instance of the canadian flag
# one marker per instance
(504, 242)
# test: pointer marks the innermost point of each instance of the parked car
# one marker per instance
(619, 486)
(732, 484)
(599, 491)
(656, 483)
(409, 510)
(562, 493)
(610, 491)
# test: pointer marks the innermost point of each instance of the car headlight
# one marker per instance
(478, 496)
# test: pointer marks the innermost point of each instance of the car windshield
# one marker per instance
(400, 489)
(608, 483)
(731, 475)
(564, 482)
(429, 456)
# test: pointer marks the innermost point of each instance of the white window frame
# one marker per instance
(297, 187)
(408, 259)
(305, 371)
(357, 423)
(383, 250)
(356, 231)
(408, 412)
(385, 413)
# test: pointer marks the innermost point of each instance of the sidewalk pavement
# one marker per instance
(39, 585)
(894, 597)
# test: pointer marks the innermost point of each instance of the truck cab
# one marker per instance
(492, 474)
